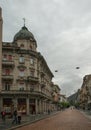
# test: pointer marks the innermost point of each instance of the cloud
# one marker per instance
(63, 33)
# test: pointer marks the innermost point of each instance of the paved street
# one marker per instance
(66, 120)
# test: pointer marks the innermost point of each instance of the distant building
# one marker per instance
(25, 78)
(63, 98)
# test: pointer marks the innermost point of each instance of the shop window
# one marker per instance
(21, 59)
(7, 103)
(21, 105)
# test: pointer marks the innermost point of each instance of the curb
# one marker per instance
(86, 115)
(30, 122)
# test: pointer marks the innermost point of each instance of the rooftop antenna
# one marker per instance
(24, 21)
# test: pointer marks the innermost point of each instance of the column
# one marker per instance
(1, 105)
(36, 105)
(40, 106)
(28, 106)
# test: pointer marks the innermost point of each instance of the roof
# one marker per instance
(24, 33)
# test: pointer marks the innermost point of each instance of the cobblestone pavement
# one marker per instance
(66, 120)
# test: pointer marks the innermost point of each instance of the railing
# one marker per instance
(31, 78)
(8, 62)
(27, 92)
(4, 76)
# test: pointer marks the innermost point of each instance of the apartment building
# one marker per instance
(25, 78)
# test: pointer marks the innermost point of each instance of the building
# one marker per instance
(84, 96)
(25, 78)
(63, 98)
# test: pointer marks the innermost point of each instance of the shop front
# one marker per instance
(32, 105)
(21, 105)
(7, 105)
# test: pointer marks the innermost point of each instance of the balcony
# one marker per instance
(7, 46)
(43, 84)
(8, 63)
(32, 79)
(42, 73)
(26, 92)
(21, 78)
(7, 77)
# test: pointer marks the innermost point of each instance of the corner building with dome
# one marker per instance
(25, 78)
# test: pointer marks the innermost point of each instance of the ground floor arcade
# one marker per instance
(26, 104)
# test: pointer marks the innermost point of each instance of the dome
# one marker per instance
(23, 34)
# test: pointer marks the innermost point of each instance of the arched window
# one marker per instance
(21, 59)
(22, 46)
(31, 47)
(32, 61)
(21, 72)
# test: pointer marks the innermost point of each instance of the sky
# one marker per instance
(62, 29)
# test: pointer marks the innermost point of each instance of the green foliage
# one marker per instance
(64, 104)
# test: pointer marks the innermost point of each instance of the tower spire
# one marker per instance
(24, 21)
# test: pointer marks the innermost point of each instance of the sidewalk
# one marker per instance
(7, 125)
(87, 113)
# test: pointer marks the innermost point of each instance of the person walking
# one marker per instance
(3, 114)
(14, 117)
(19, 117)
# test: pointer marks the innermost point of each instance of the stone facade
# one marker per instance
(84, 96)
(25, 78)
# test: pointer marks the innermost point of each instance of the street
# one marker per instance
(66, 120)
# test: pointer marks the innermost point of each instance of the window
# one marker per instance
(32, 61)
(30, 47)
(21, 73)
(21, 86)
(4, 57)
(21, 59)
(10, 57)
(31, 88)
(7, 86)
(7, 72)
(32, 73)
(22, 46)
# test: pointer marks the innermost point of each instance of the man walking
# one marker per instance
(14, 117)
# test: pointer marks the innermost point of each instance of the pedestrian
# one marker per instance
(3, 114)
(19, 117)
(48, 111)
(14, 117)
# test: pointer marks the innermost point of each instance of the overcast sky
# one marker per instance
(62, 29)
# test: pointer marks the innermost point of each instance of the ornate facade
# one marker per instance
(25, 78)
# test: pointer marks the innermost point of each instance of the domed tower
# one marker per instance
(25, 39)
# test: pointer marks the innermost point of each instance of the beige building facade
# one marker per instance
(25, 78)
(84, 94)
